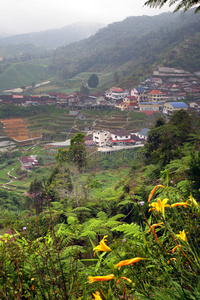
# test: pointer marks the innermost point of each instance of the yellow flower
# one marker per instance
(171, 259)
(154, 189)
(100, 278)
(159, 206)
(96, 296)
(102, 246)
(184, 204)
(182, 235)
(174, 249)
(125, 278)
(153, 229)
(153, 226)
(131, 261)
(194, 202)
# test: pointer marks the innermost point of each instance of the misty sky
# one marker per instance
(22, 16)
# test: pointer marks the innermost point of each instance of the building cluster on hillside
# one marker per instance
(116, 139)
(165, 91)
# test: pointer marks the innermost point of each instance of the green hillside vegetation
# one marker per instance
(130, 48)
(125, 46)
(21, 51)
(139, 211)
(58, 125)
(23, 74)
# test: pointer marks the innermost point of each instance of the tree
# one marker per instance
(76, 152)
(116, 77)
(93, 81)
(194, 174)
(84, 90)
(181, 4)
(159, 122)
(37, 193)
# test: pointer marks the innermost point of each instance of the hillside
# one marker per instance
(125, 46)
(54, 38)
(129, 48)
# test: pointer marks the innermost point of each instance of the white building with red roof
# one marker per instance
(121, 137)
(116, 93)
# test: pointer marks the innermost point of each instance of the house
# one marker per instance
(29, 162)
(138, 141)
(89, 141)
(62, 99)
(115, 93)
(143, 133)
(121, 105)
(150, 106)
(130, 100)
(170, 107)
(139, 93)
(195, 106)
(121, 137)
(101, 137)
(156, 96)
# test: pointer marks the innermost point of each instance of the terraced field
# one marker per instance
(16, 129)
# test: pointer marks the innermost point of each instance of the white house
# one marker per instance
(116, 93)
(101, 137)
(143, 133)
(139, 93)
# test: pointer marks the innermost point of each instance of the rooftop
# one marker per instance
(178, 104)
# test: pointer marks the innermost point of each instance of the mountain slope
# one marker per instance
(129, 48)
(135, 41)
(54, 38)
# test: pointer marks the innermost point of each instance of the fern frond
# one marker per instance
(102, 215)
(93, 224)
(81, 209)
(111, 223)
(118, 216)
(183, 186)
(125, 202)
(128, 229)
(89, 233)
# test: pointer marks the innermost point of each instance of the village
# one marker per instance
(165, 92)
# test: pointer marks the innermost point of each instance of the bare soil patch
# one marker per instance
(17, 130)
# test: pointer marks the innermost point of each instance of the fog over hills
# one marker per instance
(54, 38)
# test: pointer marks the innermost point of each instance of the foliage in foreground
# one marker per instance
(159, 260)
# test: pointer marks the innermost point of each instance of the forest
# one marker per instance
(121, 226)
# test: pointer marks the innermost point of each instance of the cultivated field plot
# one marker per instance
(16, 129)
